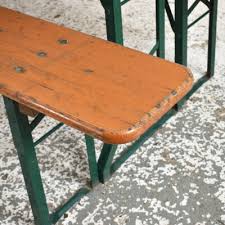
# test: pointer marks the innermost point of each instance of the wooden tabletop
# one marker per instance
(108, 91)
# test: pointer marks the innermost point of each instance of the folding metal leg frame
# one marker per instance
(180, 26)
(100, 171)
(103, 169)
(114, 25)
(22, 135)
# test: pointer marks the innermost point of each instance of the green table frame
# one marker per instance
(103, 168)
(179, 25)
(178, 22)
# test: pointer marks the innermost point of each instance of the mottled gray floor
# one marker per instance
(176, 178)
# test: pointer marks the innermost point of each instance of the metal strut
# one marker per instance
(23, 140)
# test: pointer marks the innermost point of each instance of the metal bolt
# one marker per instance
(19, 69)
(41, 54)
(63, 41)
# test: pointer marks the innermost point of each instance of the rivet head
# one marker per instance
(63, 41)
(41, 54)
(174, 92)
(88, 71)
(19, 69)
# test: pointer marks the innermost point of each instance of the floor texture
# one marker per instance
(176, 178)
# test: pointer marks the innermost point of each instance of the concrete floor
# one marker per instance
(176, 178)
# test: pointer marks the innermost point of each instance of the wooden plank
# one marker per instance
(103, 89)
(27, 111)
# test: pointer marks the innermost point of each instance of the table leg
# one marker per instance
(105, 161)
(160, 27)
(181, 28)
(113, 17)
(93, 167)
(212, 37)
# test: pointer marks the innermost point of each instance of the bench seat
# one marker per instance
(103, 89)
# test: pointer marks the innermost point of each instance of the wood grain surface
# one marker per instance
(108, 91)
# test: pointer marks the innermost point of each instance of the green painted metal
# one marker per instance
(193, 6)
(67, 206)
(132, 149)
(160, 27)
(93, 167)
(199, 18)
(113, 18)
(36, 121)
(170, 15)
(21, 131)
(154, 49)
(48, 134)
(206, 2)
(105, 162)
(212, 37)
(181, 28)
(124, 2)
(108, 153)
(195, 88)
(23, 141)
(102, 171)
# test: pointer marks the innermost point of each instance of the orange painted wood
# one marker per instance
(103, 89)
(27, 110)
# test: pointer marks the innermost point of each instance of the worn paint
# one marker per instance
(185, 158)
(97, 104)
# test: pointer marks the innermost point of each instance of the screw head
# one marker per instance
(41, 54)
(19, 69)
(63, 41)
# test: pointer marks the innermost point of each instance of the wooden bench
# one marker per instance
(107, 91)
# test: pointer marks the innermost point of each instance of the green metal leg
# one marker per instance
(181, 28)
(105, 162)
(107, 166)
(22, 137)
(24, 144)
(113, 17)
(160, 27)
(212, 37)
(93, 167)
